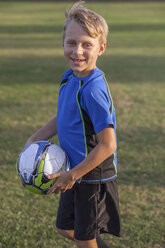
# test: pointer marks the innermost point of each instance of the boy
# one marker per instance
(86, 128)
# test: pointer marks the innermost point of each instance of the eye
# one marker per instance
(71, 42)
(87, 45)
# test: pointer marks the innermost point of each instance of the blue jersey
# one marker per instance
(85, 107)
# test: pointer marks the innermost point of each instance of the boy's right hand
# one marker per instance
(63, 182)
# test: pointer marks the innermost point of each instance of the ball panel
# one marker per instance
(41, 166)
(55, 159)
(51, 167)
(33, 189)
(31, 150)
(67, 164)
(21, 161)
(48, 184)
(26, 177)
(38, 180)
(29, 163)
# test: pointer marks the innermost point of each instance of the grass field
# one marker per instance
(31, 65)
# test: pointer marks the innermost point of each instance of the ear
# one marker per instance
(102, 48)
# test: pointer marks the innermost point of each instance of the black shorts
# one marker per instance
(89, 210)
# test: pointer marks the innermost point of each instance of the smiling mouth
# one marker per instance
(77, 60)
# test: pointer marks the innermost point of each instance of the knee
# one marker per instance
(80, 244)
(87, 243)
(66, 233)
(60, 231)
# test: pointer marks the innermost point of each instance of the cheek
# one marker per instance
(66, 49)
(93, 55)
(66, 53)
(95, 52)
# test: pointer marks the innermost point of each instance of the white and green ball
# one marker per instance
(38, 160)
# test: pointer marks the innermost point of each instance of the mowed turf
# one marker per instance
(31, 65)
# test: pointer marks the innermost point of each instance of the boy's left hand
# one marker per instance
(64, 182)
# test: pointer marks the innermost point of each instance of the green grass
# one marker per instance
(31, 65)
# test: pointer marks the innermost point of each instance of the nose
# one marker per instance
(78, 50)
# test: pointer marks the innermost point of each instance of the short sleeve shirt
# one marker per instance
(85, 107)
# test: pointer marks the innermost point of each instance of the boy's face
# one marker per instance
(80, 50)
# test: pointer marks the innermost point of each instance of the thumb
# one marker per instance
(53, 176)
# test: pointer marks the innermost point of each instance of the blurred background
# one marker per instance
(31, 66)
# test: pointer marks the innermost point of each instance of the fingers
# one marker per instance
(56, 190)
(63, 182)
(53, 189)
(53, 176)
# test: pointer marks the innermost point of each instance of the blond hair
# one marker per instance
(94, 24)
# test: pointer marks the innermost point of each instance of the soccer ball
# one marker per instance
(38, 160)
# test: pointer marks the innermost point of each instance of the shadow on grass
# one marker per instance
(130, 69)
(137, 27)
(123, 69)
(22, 29)
(25, 29)
(32, 69)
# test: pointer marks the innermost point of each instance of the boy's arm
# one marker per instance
(44, 133)
(105, 148)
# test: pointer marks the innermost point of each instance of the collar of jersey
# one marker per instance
(95, 72)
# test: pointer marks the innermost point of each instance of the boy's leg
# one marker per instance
(80, 244)
(90, 243)
(101, 243)
(94, 243)
(73, 215)
(66, 233)
(87, 244)
(65, 215)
